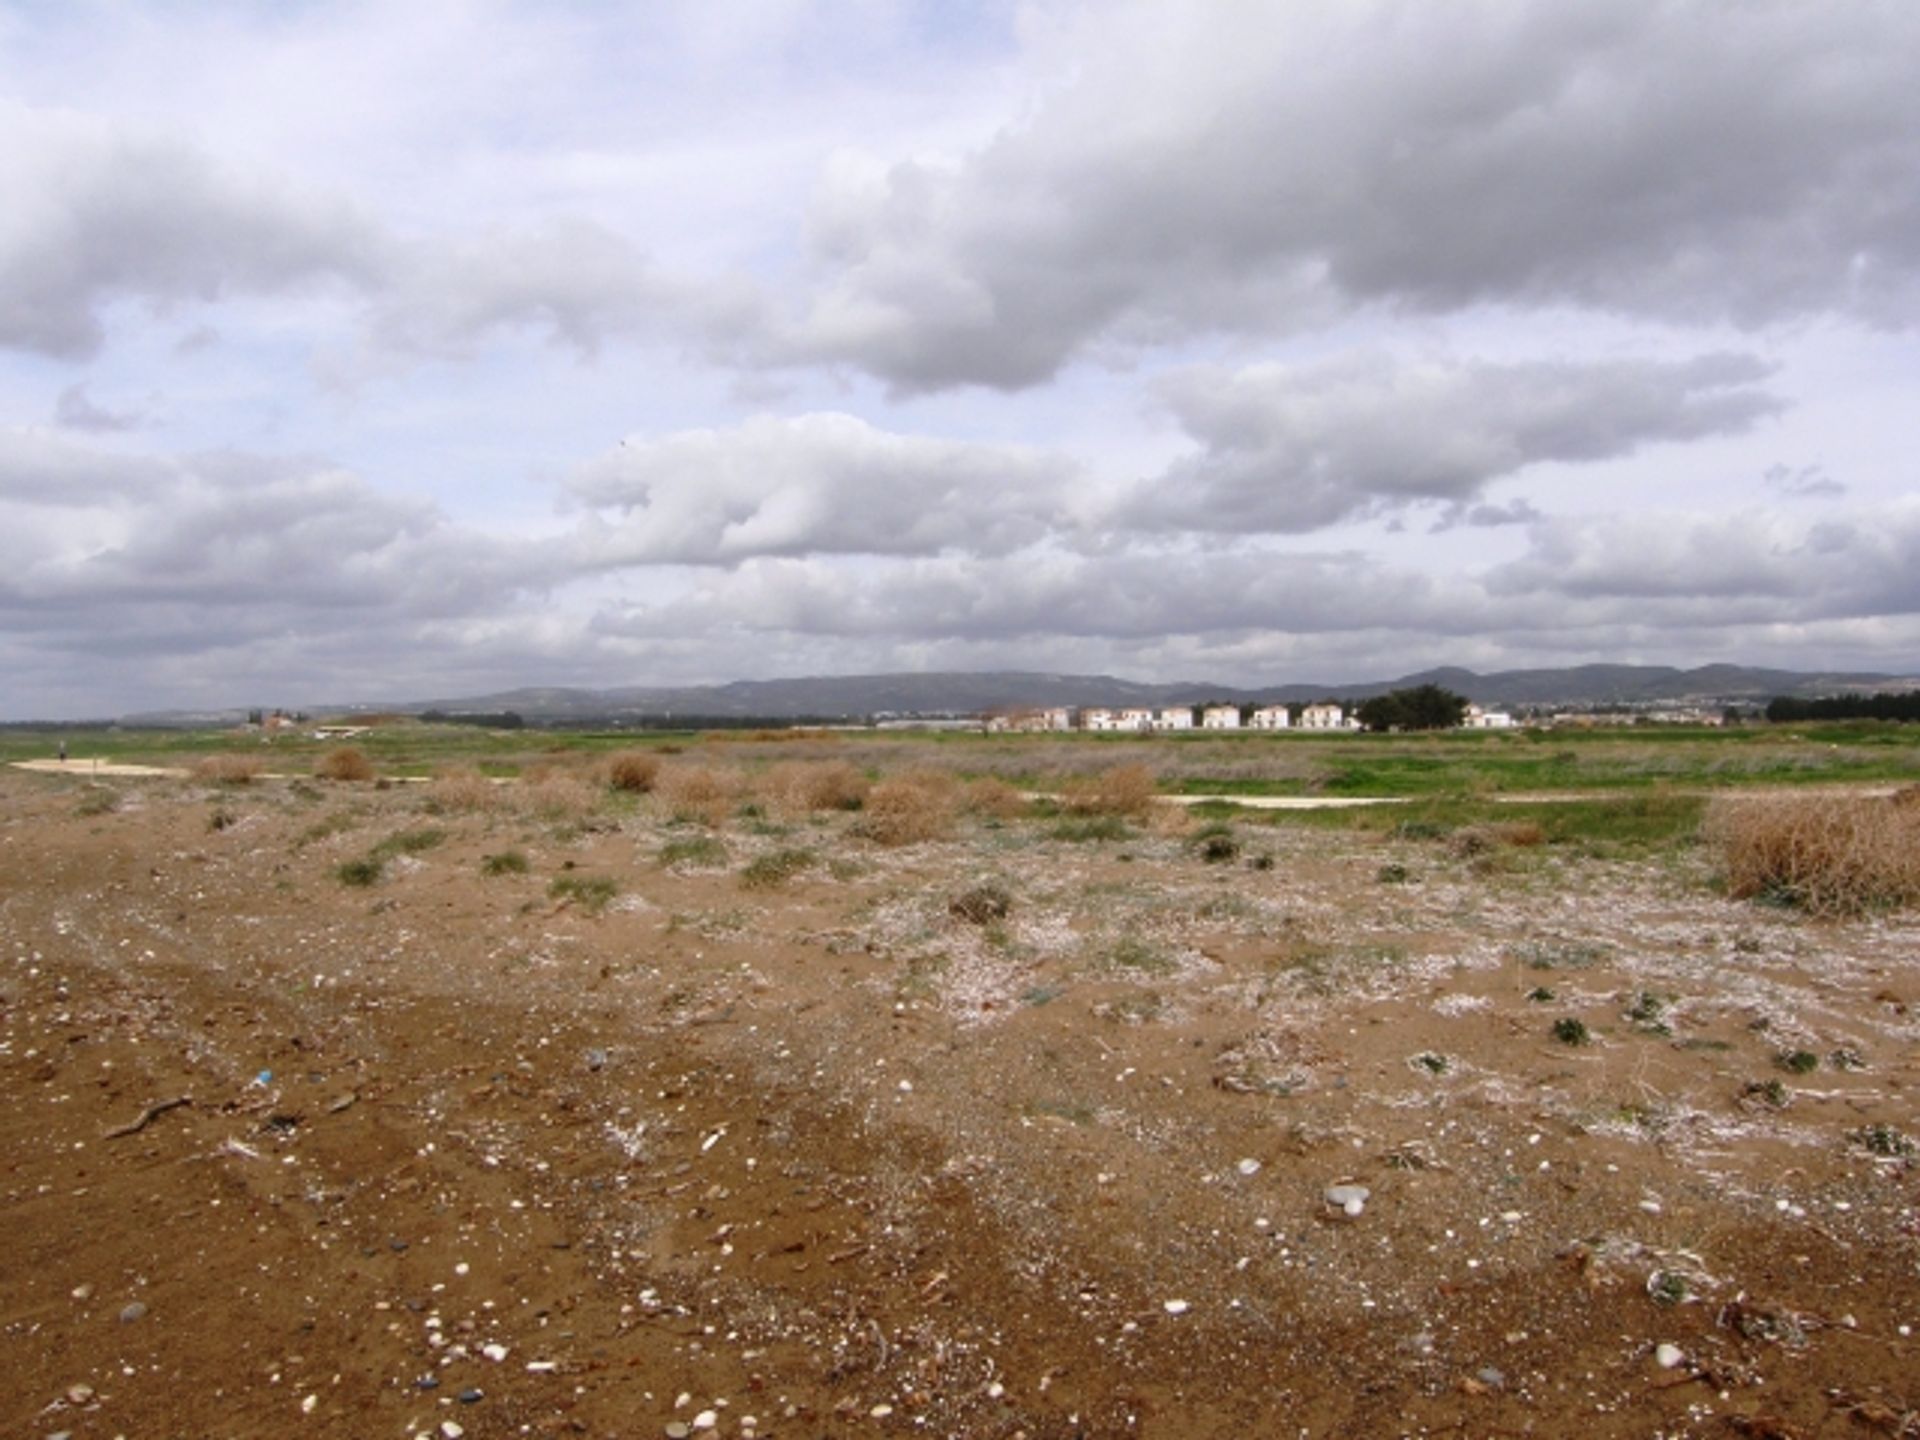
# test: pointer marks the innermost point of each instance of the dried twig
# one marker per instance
(147, 1116)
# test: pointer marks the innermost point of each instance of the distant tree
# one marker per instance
(1422, 707)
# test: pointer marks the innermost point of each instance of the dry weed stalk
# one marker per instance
(1826, 854)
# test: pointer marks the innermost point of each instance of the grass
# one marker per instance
(506, 862)
(1083, 830)
(908, 809)
(1136, 956)
(1569, 1031)
(696, 852)
(772, 870)
(360, 873)
(591, 893)
(982, 904)
(229, 769)
(408, 842)
(633, 771)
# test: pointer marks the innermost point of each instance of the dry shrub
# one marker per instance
(992, 798)
(229, 769)
(798, 787)
(1472, 840)
(633, 771)
(343, 762)
(1124, 790)
(463, 790)
(908, 808)
(1826, 854)
(698, 792)
(1164, 818)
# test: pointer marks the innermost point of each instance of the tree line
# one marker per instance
(1885, 705)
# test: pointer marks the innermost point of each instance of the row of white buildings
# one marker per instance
(1140, 719)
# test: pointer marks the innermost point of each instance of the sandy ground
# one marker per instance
(283, 1155)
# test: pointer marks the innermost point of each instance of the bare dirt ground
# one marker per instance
(447, 1155)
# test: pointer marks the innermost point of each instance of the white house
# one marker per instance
(1271, 717)
(1323, 717)
(1478, 719)
(1135, 719)
(1099, 718)
(1174, 717)
(1220, 717)
(1056, 717)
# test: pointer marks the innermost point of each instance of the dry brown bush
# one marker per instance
(908, 808)
(634, 771)
(558, 794)
(798, 787)
(343, 762)
(463, 789)
(1471, 840)
(698, 792)
(1827, 854)
(229, 769)
(1124, 790)
(993, 798)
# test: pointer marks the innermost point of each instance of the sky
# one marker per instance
(387, 352)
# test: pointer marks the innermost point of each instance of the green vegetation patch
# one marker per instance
(592, 893)
(776, 868)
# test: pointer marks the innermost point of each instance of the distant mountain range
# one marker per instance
(863, 696)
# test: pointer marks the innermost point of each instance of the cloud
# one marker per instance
(97, 212)
(1745, 566)
(1804, 482)
(1295, 448)
(75, 411)
(1219, 167)
(817, 484)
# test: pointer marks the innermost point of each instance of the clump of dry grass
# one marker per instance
(992, 798)
(461, 789)
(559, 794)
(1826, 854)
(229, 769)
(911, 807)
(1472, 840)
(704, 793)
(1128, 791)
(343, 762)
(634, 771)
(799, 787)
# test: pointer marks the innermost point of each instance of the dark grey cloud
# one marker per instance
(1295, 448)
(1224, 166)
(75, 410)
(816, 484)
(1802, 482)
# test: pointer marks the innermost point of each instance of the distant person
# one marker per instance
(63, 752)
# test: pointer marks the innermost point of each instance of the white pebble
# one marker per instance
(1249, 1166)
(1176, 1307)
(1669, 1356)
(706, 1420)
(495, 1352)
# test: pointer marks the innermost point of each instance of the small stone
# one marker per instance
(427, 1382)
(1669, 1357)
(996, 1390)
(310, 1404)
(881, 1411)
(678, 1430)
(452, 1429)
(1176, 1307)
(596, 1059)
(1350, 1199)
(494, 1352)
(133, 1310)
(1249, 1166)
(472, 1395)
(706, 1420)
(83, 1292)
(79, 1394)
(1491, 1376)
